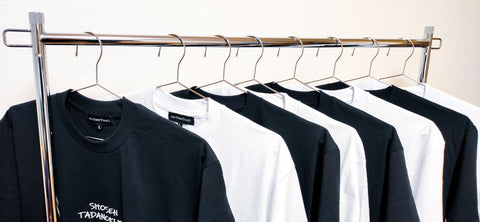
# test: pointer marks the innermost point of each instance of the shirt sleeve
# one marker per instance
(286, 202)
(463, 190)
(428, 176)
(354, 204)
(213, 205)
(398, 203)
(328, 200)
(9, 187)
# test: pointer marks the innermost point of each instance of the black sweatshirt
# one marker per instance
(145, 169)
(460, 135)
(389, 192)
(315, 154)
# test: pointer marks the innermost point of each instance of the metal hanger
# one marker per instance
(371, 63)
(96, 78)
(96, 69)
(405, 65)
(224, 66)
(255, 69)
(334, 65)
(296, 64)
(178, 69)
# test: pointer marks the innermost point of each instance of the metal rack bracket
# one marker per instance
(41, 83)
(427, 51)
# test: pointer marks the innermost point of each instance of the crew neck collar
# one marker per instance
(204, 111)
(371, 84)
(279, 99)
(333, 86)
(419, 90)
(240, 103)
(353, 95)
(387, 93)
(122, 107)
(299, 95)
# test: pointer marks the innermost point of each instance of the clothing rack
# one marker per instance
(40, 39)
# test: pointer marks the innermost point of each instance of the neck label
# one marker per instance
(100, 121)
(181, 119)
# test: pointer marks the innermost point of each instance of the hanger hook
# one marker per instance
(100, 43)
(229, 53)
(411, 54)
(260, 57)
(301, 55)
(183, 55)
(376, 54)
(99, 57)
(339, 56)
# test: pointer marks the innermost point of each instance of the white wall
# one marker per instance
(455, 68)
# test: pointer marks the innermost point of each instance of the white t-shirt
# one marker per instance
(451, 102)
(260, 176)
(422, 142)
(353, 171)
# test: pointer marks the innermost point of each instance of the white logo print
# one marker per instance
(100, 212)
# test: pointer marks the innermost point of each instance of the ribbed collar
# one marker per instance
(122, 107)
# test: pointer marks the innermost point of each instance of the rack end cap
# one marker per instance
(429, 29)
(36, 17)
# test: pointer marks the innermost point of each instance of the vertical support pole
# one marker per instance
(41, 83)
(426, 55)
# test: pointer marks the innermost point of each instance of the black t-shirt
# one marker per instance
(389, 192)
(315, 154)
(134, 165)
(460, 135)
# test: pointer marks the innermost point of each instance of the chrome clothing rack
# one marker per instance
(40, 39)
